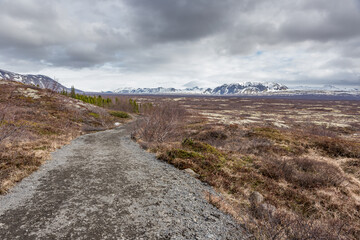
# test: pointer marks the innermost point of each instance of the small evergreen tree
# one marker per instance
(64, 92)
(72, 92)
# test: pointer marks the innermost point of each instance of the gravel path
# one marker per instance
(104, 186)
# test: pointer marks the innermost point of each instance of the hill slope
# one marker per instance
(41, 81)
(34, 122)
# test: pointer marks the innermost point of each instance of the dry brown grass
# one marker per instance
(337, 147)
(306, 168)
(303, 172)
(34, 122)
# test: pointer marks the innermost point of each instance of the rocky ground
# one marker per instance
(104, 186)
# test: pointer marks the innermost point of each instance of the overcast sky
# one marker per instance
(108, 44)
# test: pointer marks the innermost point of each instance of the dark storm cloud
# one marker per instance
(323, 21)
(53, 27)
(50, 32)
(140, 35)
(284, 23)
(183, 20)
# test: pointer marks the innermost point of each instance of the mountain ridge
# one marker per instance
(245, 88)
(41, 81)
(225, 89)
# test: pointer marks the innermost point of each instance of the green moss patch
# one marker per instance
(95, 115)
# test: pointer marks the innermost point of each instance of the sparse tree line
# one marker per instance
(115, 103)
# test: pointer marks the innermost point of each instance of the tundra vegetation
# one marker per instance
(287, 169)
(299, 158)
(35, 121)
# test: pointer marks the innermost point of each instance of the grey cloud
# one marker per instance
(341, 63)
(290, 23)
(183, 20)
(22, 9)
(78, 56)
(323, 21)
(151, 35)
(49, 32)
(339, 79)
(244, 38)
(350, 48)
(29, 24)
(232, 23)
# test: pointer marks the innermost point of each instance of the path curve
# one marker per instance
(104, 186)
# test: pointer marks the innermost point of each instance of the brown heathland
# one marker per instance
(302, 156)
(288, 169)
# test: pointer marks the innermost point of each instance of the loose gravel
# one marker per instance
(104, 186)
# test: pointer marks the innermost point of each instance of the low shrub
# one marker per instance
(119, 114)
(303, 172)
(213, 137)
(322, 131)
(200, 146)
(256, 146)
(269, 133)
(161, 123)
(279, 225)
(335, 147)
(180, 153)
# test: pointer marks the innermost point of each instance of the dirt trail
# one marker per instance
(104, 186)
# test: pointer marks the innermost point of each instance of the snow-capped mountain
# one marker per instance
(326, 87)
(193, 90)
(159, 90)
(226, 89)
(247, 88)
(36, 80)
(145, 90)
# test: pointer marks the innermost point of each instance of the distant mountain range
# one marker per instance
(226, 89)
(326, 87)
(247, 88)
(158, 90)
